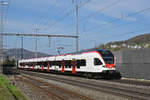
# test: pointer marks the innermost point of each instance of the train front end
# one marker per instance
(109, 65)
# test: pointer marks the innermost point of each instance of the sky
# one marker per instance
(100, 22)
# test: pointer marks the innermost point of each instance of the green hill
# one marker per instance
(137, 42)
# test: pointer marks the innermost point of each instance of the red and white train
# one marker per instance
(98, 63)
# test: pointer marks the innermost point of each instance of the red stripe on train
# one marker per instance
(48, 66)
(73, 67)
(110, 65)
(63, 66)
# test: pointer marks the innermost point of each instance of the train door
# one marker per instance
(73, 66)
(48, 65)
(63, 66)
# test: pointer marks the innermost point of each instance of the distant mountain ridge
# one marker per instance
(17, 53)
(144, 38)
(137, 42)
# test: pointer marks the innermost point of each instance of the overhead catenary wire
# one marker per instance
(127, 33)
(46, 22)
(39, 21)
(43, 20)
(122, 24)
(65, 16)
(84, 3)
(115, 20)
(100, 10)
(131, 32)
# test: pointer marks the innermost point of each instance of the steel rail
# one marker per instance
(67, 91)
(82, 97)
(108, 89)
(44, 90)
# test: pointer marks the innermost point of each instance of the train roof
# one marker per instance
(88, 50)
(73, 53)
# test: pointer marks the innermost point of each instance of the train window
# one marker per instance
(78, 67)
(30, 64)
(26, 64)
(83, 62)
(78, 63)
(50, 64)
(22, 64)
(105, 53)
(45, 64)
(68, 64)
(58, 63)
(97, 61)
(53, 63)
(39, 63)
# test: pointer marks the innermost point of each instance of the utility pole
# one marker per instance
(36, 31)
(22, 55)
(1, 36)
(77, 30)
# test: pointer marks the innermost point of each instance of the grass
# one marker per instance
(9, 92)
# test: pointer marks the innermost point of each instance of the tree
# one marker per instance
(9, 63)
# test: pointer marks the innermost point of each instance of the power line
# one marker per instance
(115, 20)
(58, 14)
(37, 35)
(122, 24)
(83, 4)
(131, 32)
(43, 20)
(100, 10)
(40, 20)
(59, 20)
(66, 15)
(127, 33)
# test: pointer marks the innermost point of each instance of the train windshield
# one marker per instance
(107, 56)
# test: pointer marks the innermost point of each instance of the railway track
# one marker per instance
(55, 92)
(130, 81)
(123, 91)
